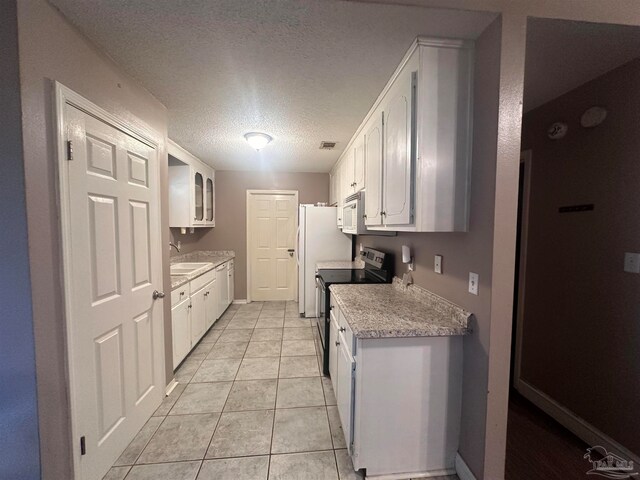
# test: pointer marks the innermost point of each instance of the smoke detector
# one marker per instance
(327, 145)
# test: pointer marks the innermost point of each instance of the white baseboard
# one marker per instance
(172, 384)
(405, 476)
(462, 470)
(242, 301)
(565, 417)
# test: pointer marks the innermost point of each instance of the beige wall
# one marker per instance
(466, 252)
(230, 232)
(19, 449)
(50, 49)
(581, 331)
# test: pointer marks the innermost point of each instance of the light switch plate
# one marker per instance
(437, 264)
(632, 262)
(473, 283)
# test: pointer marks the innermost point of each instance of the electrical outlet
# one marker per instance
(632, 262)
(437, 264)
(473, 283)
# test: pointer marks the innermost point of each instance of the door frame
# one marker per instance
(526, 158)
(62, 97)
(251, 193)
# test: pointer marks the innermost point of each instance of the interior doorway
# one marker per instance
(577, 222)
(272, 223)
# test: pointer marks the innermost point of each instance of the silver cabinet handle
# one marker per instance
(337, 344)
(342, 329)
(156, 294)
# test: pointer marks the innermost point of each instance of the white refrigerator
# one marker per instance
(319, 240)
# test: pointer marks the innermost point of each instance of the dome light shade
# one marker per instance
(258, 140)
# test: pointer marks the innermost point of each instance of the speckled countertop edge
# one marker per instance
(216, 258)
(388, 311)
(357, 264)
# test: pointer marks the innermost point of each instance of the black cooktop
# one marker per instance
(362, 275)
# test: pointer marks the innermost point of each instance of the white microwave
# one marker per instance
(353, 215)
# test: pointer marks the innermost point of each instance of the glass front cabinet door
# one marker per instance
(199, 197)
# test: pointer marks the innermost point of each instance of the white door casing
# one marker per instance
(110, 197)
(272, 222)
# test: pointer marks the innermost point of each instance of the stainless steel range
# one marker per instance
(377, 269)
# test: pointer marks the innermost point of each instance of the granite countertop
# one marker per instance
(341, 265)
(215, 258)
(393, 310)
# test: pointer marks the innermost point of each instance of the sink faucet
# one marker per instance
(177, 247)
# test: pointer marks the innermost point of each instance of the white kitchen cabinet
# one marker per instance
(191, 190)
(181, 331)
(399, 401)
(211, 304)
(421, 125)
(345, 372)
(223, 288)
(198, 315)
(334, 332)
(231, 278)
(373, 156)
(397, 171)
(347, 173)
(359, 166)
(339, 194)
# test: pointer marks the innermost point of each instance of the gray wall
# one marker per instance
(19, 449)
(466, 252)
(230, 232)
(51, 49)
(581, 308)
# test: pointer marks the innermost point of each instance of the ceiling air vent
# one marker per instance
(327, 145)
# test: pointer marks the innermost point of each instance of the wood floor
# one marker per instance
(540, 448)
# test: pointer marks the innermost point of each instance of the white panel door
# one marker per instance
(113, 265)
(397, 153)
(373, 171)
(272, 246)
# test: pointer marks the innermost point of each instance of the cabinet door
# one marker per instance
(339, 198)
(181, 331)
(232, 287)
(198, 315)
(210, 304)
(347, 174)
(397, 165)
(373, 159)
(198, 197)
(334, 330)
(210, 201)
(358, 165)
(345, 391)
(223, 288)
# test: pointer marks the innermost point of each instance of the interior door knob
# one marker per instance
(156, 294)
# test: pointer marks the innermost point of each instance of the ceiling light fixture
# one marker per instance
(258, 140)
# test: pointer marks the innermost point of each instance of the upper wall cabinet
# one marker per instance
(417, 142)
(191, 190)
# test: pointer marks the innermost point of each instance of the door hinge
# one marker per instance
(69, 150)
(83, 446)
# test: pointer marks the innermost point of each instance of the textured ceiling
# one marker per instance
(562, 55)
(301, 71)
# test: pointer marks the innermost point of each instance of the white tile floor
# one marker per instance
(251, 404)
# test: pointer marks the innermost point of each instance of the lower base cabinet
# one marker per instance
(195, 308)
(399, 401)
(181, 331)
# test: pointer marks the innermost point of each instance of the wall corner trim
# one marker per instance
(463, 471)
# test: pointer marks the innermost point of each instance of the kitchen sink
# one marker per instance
(189, 268)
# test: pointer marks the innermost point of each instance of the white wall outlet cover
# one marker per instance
(473, 283)
(437, 264)
(632, 262)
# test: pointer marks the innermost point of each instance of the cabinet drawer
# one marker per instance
(347, 333)
(199, 282)
(179, 294)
